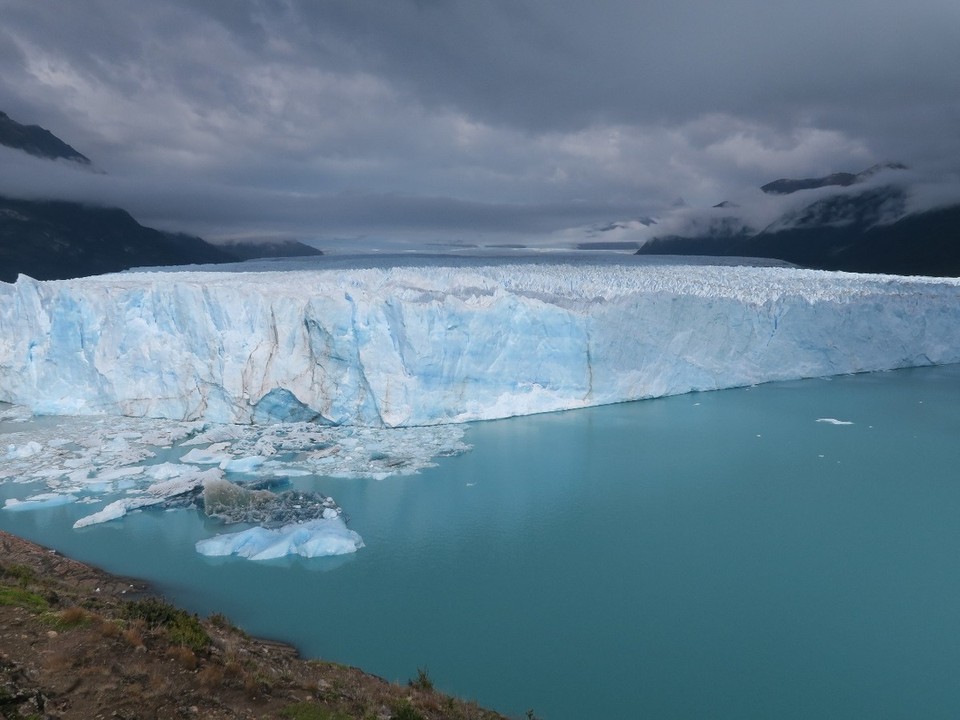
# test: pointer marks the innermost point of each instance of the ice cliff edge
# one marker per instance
(449, 343)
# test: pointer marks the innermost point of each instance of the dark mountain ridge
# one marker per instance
(786, 186)
(55, 240)
(867, 231)
(60, 239)
(37, 141)
(252, 250)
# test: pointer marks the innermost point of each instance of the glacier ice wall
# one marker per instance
(449, 342)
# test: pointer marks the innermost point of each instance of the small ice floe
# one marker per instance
(242, 464)
(168, 470)
(15, 413)
(213, 455)
(20, 452)
(316, 538)
(834, 421)
(35, 502)
(117, 473)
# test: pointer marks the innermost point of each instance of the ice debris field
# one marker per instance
(233, 381)
(235, 473)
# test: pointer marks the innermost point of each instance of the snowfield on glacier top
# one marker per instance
(449, 340)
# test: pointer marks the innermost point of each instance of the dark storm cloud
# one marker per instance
(312, 217)
(324, 118)
(565, 63)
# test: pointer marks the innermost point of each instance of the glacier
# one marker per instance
(448, 341)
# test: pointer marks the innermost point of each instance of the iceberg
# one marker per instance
(81, 459)
(316, 538)
(41, 500)
(449, 341)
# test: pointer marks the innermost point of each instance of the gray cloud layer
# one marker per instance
(469, 119)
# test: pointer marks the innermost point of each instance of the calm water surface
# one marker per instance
(714, 555)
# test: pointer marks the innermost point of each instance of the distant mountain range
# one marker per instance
(58, 239)
(865, 231)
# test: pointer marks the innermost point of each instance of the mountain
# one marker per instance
(60, 239)
(785, 186)
(866, 231)
(55, 239)
(37, 141)
(251, 250)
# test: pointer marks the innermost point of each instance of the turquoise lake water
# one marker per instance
(712, 555)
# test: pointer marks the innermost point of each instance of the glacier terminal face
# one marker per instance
(452, 341)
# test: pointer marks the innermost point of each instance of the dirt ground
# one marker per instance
(76, 642)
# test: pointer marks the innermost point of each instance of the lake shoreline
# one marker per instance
(78, 642)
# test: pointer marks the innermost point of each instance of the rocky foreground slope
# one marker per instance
(76, 642)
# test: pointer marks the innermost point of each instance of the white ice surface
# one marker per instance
(317, 538)
(36, 502)
(20, 452)
(440, 343)
(124, 464)
(153, 495)
(406, 347)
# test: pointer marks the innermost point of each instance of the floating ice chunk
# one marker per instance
(834, 421)
(165, 471)
(78, 458)
(15, 413)
(116, 509)
(213, 455)
(316, 538)
(43, 500)
(19, 452)
(158, 493)
(241, 465)
(118, 473)
(216, 434)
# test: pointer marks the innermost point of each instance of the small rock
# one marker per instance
(51, 633)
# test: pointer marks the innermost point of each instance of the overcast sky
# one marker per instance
(472, 121)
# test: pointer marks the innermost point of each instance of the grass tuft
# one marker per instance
(422, 681)
(403, 710)
(20, 597)
(21, 573)
(181, 627)
(210, 677)
(183, 655)
(310, 711)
